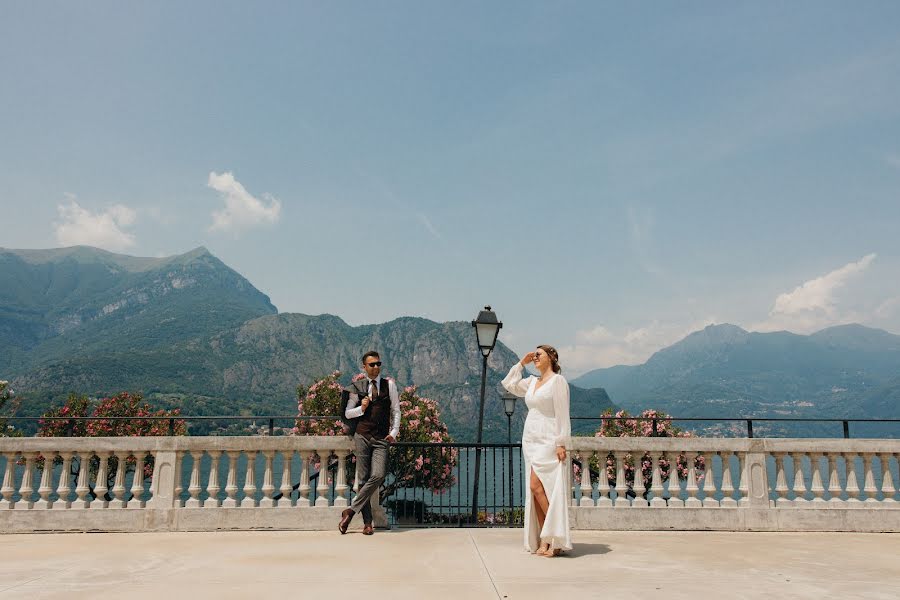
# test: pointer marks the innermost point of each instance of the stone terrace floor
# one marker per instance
(455, 563)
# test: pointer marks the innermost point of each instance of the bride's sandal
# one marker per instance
(543, 550)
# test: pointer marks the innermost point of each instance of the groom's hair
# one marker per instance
(371, 353)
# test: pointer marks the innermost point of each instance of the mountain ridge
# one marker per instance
(190, 332)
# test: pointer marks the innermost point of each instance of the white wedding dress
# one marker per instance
(546, 427)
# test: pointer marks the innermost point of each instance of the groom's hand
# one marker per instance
(365, 403)
(390, 439)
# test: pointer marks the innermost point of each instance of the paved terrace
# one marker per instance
(452, 563)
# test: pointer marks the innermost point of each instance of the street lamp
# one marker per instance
(509, 407)
(487, 327)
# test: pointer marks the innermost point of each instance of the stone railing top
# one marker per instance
(763, 445)
(344, 443)
(177, 443)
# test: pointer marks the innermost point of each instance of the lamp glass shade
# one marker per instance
(487, 327)
(509, 404)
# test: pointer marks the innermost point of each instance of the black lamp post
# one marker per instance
(509, 407)
(486, 329)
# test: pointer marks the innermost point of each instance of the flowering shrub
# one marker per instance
(5, 394)
(102, 424)
(429, 467)
(419, 422)
(322, 398)
(624, 425)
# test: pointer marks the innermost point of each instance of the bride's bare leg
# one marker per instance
(541, 506)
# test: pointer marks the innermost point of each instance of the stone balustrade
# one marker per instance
(212, 483)
(737, 484)
(148, 476)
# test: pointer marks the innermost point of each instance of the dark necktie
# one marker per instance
(373, 391)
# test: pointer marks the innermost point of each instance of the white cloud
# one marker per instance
(887, 308)
(242, 210)
(429, 227)
(79, 226)
(812, 305)
(641, 222)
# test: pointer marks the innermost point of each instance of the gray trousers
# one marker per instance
(371, 465)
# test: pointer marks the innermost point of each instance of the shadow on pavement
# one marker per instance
(579, 550)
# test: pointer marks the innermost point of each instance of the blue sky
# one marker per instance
(608, 177)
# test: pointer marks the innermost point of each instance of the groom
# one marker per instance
(373, 411)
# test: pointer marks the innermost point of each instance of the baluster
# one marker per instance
(286, 487)
(82, 488)
(870, 488)
(621, 484)
(638, 485)
(268, 488)
(744, 485)
(303, 490)
(118, 490)
(656, 483)
(815, 487)
(568, 469)
(26, 489)
(231, 487)
(691, 487)
(675, 500)
(322, 484)
(46, 486)
(65, 483)
(887, 478)
(9, 481)
(137, 482)
(728, 500)
(194, 486)
(179, 482)
(781, 487)
(340, 487)
(799, 487)
(852, 481)
(249, 500)
(102, 485)
(587, 488)
(603, 490)
(709, 481)
(834, 481)
(212, 484)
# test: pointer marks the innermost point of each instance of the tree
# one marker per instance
(624, 425)
(124, 414)
(420, 422)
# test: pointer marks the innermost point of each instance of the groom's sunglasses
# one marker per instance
(374, 364)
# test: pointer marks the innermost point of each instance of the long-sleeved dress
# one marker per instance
(546, 427)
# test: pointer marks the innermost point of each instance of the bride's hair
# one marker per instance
(554, 357)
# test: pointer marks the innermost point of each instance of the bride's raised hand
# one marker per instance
(528, 358)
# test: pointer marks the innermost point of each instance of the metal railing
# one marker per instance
(271, 420)
(441, 496)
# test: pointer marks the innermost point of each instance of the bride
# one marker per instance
(547, 428)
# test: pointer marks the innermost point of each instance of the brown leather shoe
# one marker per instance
(346, 517)
(368, 529)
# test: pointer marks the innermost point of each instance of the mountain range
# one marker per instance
(189, 332)
(847, 371)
